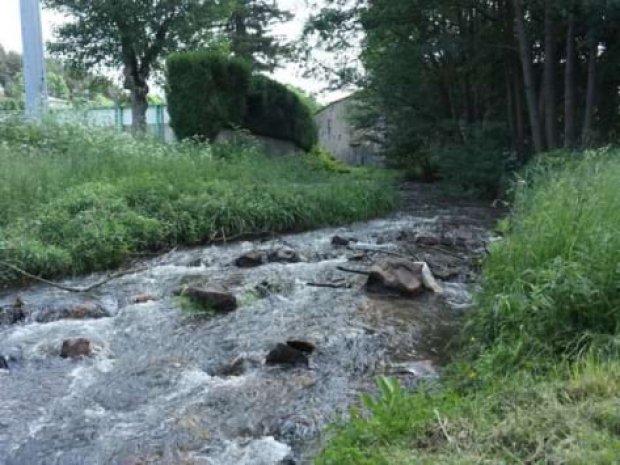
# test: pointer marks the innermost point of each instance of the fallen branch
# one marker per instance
(329, 285)
(76, 290)
(385, 252)
(350, 270)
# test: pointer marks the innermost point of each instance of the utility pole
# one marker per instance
(34, 61)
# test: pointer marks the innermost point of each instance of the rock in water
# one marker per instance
(213, 297)
(341, 241)
(251, 259)
(69, 311)
(284, 255)
(284, 354)
(302, 346)
(4, 365)
(11, 314)
(402, 276)
(76, 348)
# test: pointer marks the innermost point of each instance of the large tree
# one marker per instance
(133, 34)
(441, 72)
(249, 32)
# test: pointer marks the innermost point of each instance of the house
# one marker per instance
(339, 137)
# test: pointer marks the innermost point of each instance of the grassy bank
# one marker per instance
(538, 377)
(74, 200)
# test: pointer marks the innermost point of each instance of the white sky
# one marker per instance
(10, 38)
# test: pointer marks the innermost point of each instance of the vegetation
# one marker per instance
(440, 74)
(248, 32)
(206, 93)
(273, 110)
(63, 82)
(134, 35)
(209, 91)
(538, 378)
(74, 200)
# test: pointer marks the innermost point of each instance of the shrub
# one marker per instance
(206, 92)
(276, 111)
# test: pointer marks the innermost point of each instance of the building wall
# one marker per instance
(338, 136)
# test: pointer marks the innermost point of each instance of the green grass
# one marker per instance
(74, 200)
(537, 380)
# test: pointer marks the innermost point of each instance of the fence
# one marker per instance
(157, 118)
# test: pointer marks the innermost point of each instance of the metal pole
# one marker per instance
(34, 61)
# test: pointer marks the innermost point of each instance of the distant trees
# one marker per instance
(533, 74)
(64, 82)
(135, 35)
(249, 35)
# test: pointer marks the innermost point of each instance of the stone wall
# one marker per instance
(338, 136)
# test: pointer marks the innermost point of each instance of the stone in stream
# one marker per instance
(284, 255)
(11, 314)
(402, 276)
(210, 296)
(251, 259)
(238, 367)
(4, 365)
(142, 298)
(293, 353)
(76, 348)
(68, 310)
(342, 241)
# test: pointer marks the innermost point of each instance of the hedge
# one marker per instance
(208, 92)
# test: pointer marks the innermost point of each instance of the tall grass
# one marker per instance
(538, 378)
(74, 200)
(552, 287)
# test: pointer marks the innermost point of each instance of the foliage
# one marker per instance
(133, 34)
(551, 288)
(538, 376)
(206, 93)
(75, 199)
(568, 418)
(477, 166)
(275, 111)
(436, 71)
(248, 31)
(209, 91)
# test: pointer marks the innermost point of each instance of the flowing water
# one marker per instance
(157, 391)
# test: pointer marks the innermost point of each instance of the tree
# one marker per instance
(133, 34)
(248, 30)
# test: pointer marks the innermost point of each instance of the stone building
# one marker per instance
(338, 136)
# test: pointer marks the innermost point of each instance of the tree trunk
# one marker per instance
(528, 76)
(550, 76)
(586, 135)
(570, 87)
(139, 106)
(136, 84)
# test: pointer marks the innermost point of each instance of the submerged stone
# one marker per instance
(76, 348)
(215, 298)
(284, 354)
(251, 259)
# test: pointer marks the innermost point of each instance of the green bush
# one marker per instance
(477, 166)
(276, 111)
(75, 199)
(206, 92)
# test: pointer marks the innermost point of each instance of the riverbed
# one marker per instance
(166, 386)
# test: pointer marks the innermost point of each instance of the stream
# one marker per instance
(164, 386)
